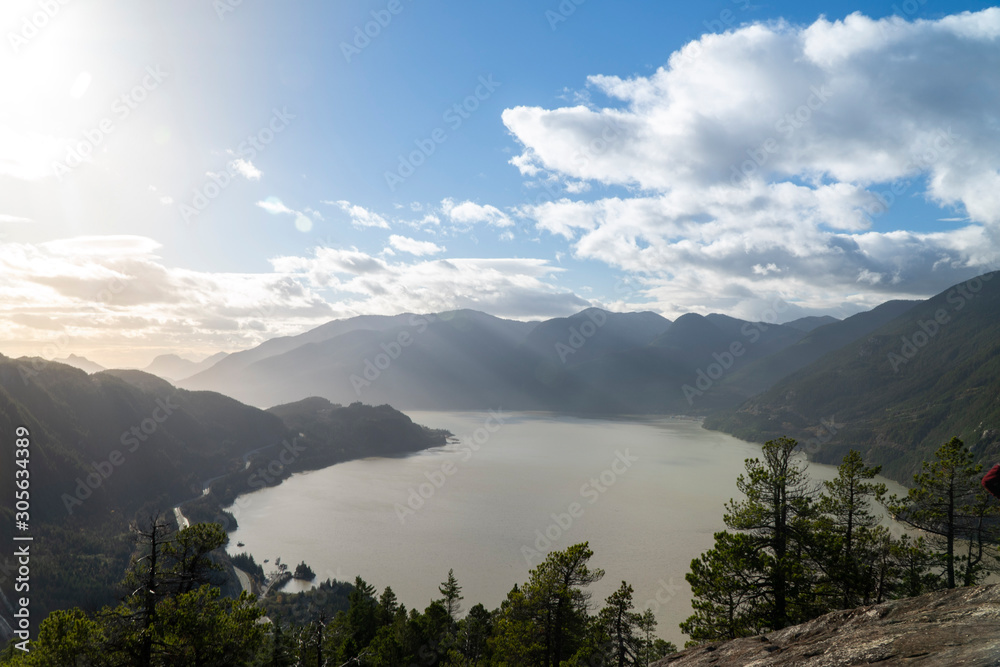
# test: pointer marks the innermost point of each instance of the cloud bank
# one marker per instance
(762, 161)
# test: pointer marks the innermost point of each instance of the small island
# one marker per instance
(304, 572)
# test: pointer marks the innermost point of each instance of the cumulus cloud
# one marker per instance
(360, 216)
(762, 159)
(517, 288)
(414, 247)
(246, 169)
(468, 212)
(114, 292)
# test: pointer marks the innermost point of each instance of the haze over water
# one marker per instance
(644, 521)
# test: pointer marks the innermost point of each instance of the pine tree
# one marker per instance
(758, 579)
(646, 624)
(776, 515)
(847, 528)
(948, 503)
(729, 590)
(546, 621)
(452, 593)
(620, 624)
(474, 632)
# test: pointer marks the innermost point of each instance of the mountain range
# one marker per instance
(174, 367)
(594, 361)
(870, 381)
(896, 393)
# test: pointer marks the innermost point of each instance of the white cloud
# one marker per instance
(274, 206)
(114, 294)
(762, 159)
(468, 212)
(414, 247)
(518, 288)
(246, 169)
(360, 216)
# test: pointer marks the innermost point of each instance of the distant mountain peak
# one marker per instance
(81, 363)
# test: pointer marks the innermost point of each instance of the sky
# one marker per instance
(190, 176)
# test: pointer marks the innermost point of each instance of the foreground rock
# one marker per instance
(947, 628)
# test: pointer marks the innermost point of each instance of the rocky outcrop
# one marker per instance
(946, 629)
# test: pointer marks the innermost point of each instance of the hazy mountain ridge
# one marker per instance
(174, 367)
(232, 364)
(81, 363)
(763, 373)
(898, 392)
(651, 379)
(592, 361)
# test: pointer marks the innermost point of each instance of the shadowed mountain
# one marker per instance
(593, 333)
(761, 374)
(807, 324)
(676, 373)
(592, 362)
(458, 360)
(224, 375)
(898, 392)
(107, 447)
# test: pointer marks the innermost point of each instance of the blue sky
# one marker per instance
(569, 155)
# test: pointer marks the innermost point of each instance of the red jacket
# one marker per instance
(991, 481)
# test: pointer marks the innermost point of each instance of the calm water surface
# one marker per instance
(648, 495)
